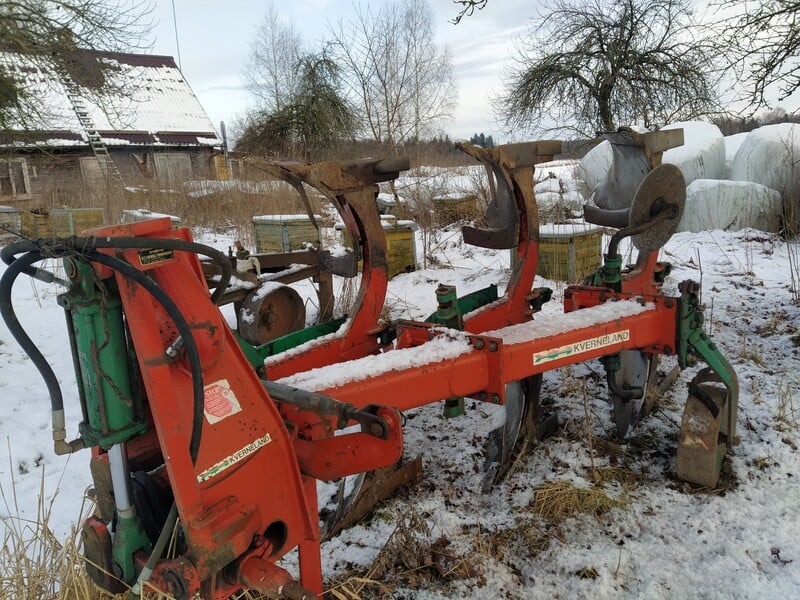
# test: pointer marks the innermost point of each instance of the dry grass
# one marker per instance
(788, 416)
(202, 206)
(409, 559)
(559, 500)
(34, 563)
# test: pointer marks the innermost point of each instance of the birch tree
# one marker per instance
(271, 74)
(400, 80)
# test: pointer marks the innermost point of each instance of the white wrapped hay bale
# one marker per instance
(732, 145)
(702, 155)
(594, 166)
(730, 206)
(770, 155)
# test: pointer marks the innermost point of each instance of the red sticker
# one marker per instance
(220, 401)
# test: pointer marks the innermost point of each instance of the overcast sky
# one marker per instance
(215, 39)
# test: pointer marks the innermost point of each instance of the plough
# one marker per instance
(195, 431)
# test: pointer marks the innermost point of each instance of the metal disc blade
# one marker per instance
(270, 312)
(663, 185)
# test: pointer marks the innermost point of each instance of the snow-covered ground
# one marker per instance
(657, 539)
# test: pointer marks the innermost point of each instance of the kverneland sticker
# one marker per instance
(608, 339)
(220, 402)
(229, 461)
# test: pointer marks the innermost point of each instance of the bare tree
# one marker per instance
(467, 8)
(761, 40)
(271, 74)
(54, 36)
(402, 82)
(597, 64)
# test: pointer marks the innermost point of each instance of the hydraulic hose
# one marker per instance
(82, 245)
(158, 550)
(15, 268)
(24, 265)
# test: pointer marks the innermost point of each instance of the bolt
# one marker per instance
(478, 343)
(492, 346)
(376, 430)
(481, 396)
(495, 399)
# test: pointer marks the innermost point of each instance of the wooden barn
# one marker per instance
(127, 121)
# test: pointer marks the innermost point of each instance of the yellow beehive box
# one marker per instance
(285, 233)
(60, 222)
(569, 252)
(401, 250)
(454, 208)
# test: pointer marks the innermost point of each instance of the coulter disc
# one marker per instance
(663, 186)
(269, 312)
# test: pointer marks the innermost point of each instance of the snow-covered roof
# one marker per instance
(149, 103)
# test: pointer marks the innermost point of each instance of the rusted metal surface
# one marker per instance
(282, 268)
(248, 496)
(378, 485)
(262, 317)
(705, 431)
(222, 502)
(352, 189)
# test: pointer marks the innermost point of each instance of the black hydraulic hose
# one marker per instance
(15, 328)
(23, 264)
(62, 246)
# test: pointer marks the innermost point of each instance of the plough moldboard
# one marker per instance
(194, 429)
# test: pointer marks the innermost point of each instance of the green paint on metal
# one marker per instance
(98, 335)
(256, 355)
(466, 304)
(448, 311)
(693, 343)
(610, 274)
(453, 407)
(129, 538)
(448, 314)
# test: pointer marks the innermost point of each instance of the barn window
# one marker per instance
(14, 177)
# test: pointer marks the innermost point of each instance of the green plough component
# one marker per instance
(97, 340)
(256, 355)
(468, 303)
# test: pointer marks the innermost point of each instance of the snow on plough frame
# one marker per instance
(196, 431)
